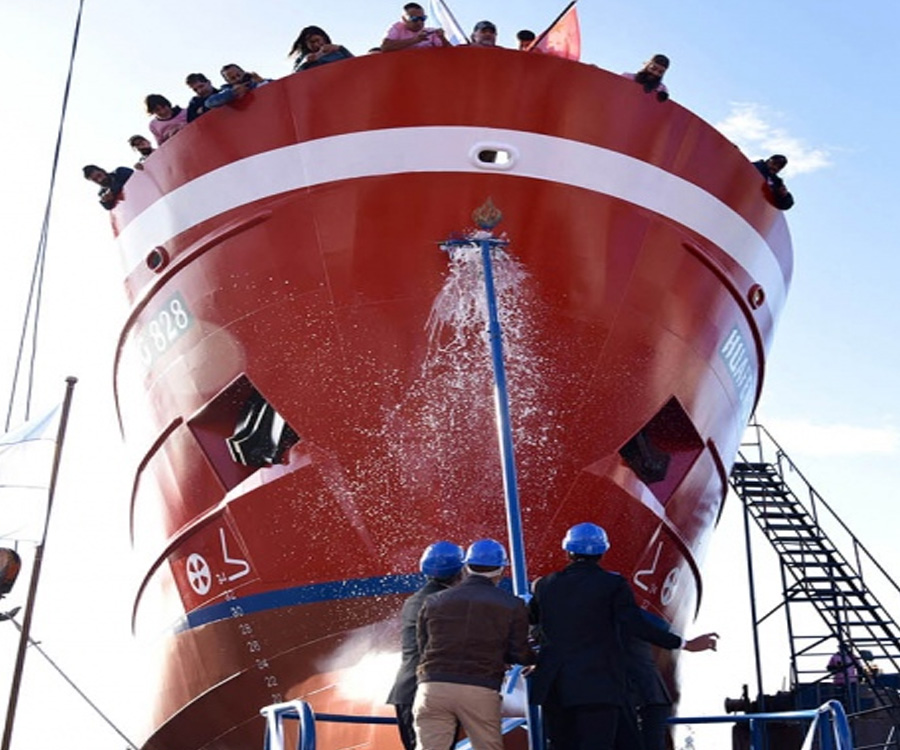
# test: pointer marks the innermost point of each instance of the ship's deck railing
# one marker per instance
(829, 724)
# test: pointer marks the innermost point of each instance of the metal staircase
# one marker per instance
(823, 566)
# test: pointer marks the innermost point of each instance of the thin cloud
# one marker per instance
(834, 439)
(750, 126)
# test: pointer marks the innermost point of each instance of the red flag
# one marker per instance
(563, 37)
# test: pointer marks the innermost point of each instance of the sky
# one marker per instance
(809, 79)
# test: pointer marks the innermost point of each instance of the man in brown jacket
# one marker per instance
(467, 636)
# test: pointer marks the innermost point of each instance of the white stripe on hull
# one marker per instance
(441, 149)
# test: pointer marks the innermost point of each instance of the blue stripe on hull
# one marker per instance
(358, 588)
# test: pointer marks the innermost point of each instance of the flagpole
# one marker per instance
(25, 631)
(546, 31)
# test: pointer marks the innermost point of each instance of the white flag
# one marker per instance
(26, 461)
(445, 19)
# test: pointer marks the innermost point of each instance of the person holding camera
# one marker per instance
(410, 32)
(238, 83)
(313, 47)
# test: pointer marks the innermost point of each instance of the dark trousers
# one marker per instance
(598, 726)
(405, 725)
(654, 729)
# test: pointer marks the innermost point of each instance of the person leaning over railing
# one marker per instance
(168, 118)
(143, 147)
(111, 183)
(203, 89)
(769, 169)
(313, 47)
(650, 77)
(238, 83)
(410, 32)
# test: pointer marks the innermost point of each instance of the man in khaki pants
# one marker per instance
(467, 636)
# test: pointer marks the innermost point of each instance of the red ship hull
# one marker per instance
(289, 247)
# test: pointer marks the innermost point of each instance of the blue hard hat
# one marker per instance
(586, 539)
(441, 560)
(487, 552)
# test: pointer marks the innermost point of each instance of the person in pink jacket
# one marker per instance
(167, 120)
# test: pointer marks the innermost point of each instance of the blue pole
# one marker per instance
(504, 429)
(508, 458)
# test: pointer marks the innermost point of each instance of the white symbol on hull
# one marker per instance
(670, 587)
(240, 562)
(648, 572)
(198, 573)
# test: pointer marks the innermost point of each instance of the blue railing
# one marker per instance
(302, 712)
(829, 724)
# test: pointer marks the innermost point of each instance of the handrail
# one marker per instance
(829, 716)
(507, 724)
(829, 723)
(276, 713)
(840, 727)
(817, 500)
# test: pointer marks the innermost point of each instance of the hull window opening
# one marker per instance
(240, 432)
(261, 435)
(663, 451)
(646, 460)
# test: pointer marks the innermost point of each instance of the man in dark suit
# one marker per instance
(583, 614)
(442, 563)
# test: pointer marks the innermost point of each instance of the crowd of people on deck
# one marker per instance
(581, 637)
(313, 48)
